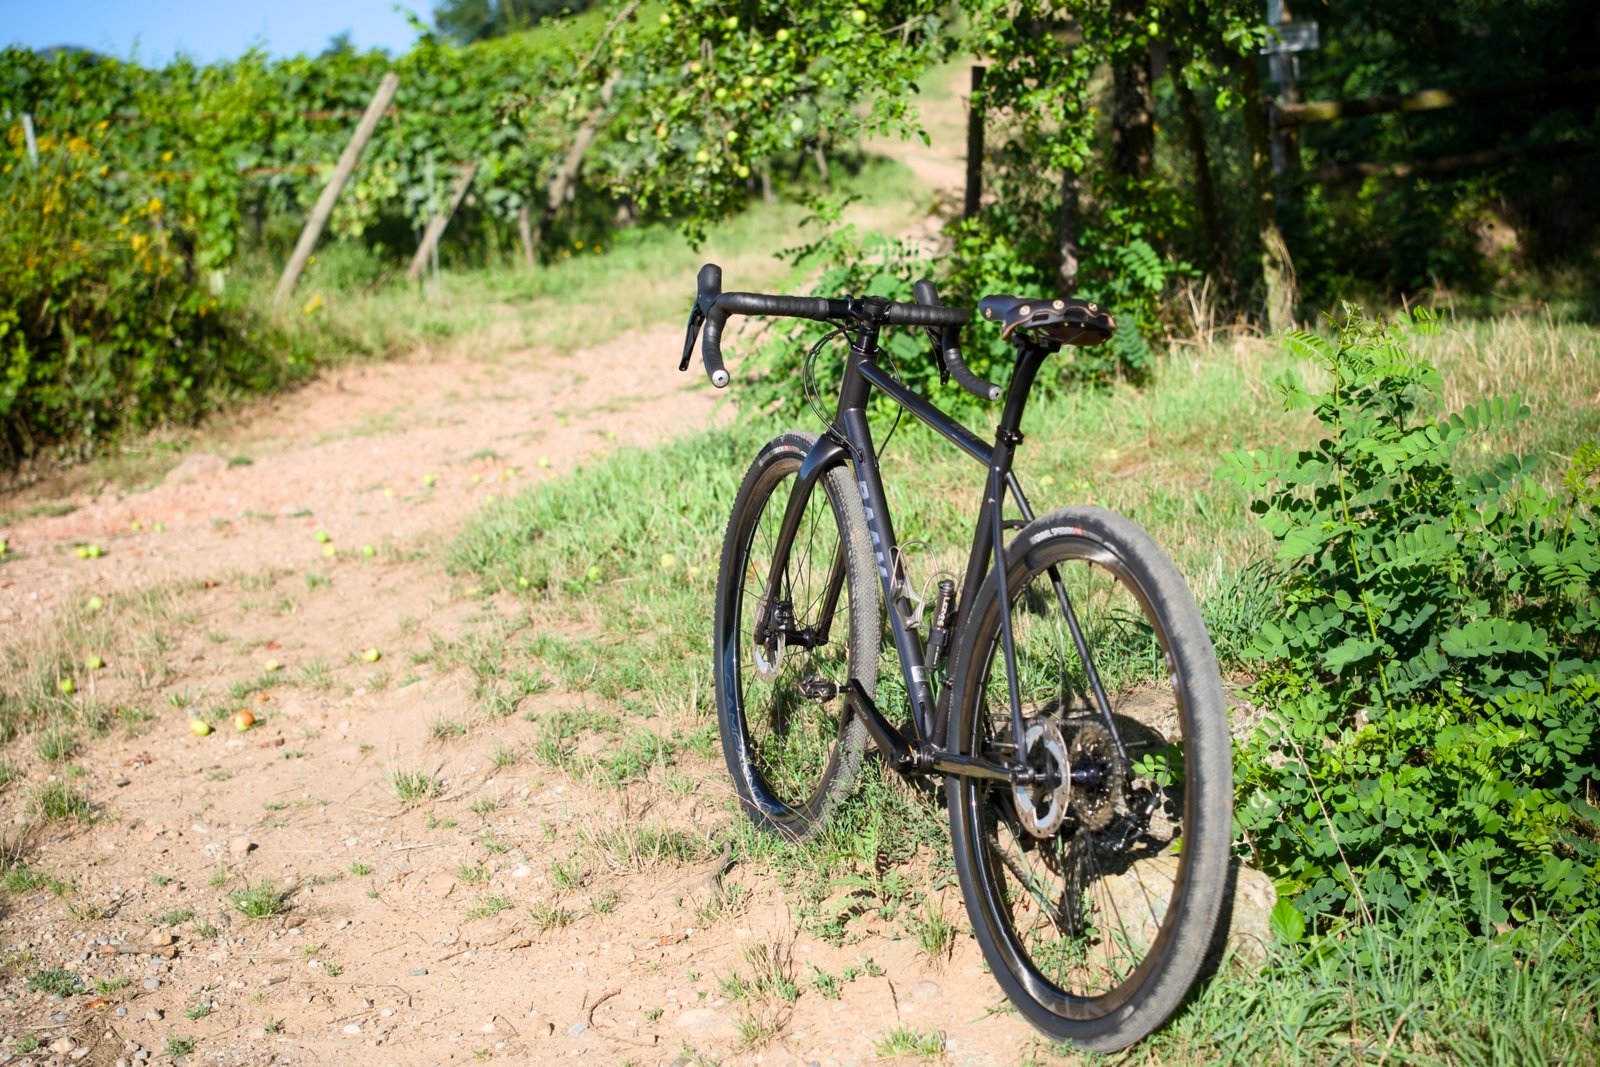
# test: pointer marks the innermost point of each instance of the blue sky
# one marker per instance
(206, 29)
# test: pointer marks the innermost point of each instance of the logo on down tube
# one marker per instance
(877, 546)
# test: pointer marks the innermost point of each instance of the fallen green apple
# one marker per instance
(372, 655)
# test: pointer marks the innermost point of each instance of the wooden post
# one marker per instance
(1277, 271)
(1205, 190)
(525, 232)
(975, 109)
(565, 182)
(330, 192)
(436, 225)
(27, 134)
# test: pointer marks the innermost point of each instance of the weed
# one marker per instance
(261, 900)
(605, 902)
(413, 787)
(56, 745)
(173, 918)
(178, 1046)
(549, 916)
(198, 1011)
(57, 801)
(360, 869)
(904, 1041)
(55, 980)
(503, 756)
(445, 729)
(484, 805)
(107, 986)
(492, 904)
(473, 874)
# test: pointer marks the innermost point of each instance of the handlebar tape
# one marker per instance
(715, 307)
(949, 350)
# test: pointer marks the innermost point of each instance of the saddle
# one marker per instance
(1068, 322)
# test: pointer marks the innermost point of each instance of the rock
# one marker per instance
(352, 1028)
(62, 1045)
(577, 1028)
(441, 885)
(1142, 892)
(1254, 897)
(152, 983)
(79, 1053)
(161, 938)
(240, 846)
(418, 972)
(925, 990)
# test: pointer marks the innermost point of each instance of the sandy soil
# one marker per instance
(460, 927)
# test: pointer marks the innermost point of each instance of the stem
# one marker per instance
(1344, 510)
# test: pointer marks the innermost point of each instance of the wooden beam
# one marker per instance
(330, 192)
(436, 225)
(1350, 172)
(1285, 116)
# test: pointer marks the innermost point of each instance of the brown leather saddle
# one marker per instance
(1067, 322)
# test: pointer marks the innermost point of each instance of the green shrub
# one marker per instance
(105, 326)
(1433, 672)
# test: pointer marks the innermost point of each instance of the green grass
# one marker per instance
(259, 900)
(59, 801)
(413, 787)
(907, 1041)
(1418, 993)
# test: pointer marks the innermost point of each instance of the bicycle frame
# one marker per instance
(849, 439)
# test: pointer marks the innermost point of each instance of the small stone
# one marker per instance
(80, 1052)
(386, 1012)
(522, 871)
(577, 1028)
(441, 885)
(122, 1012)
(62, 1045)
(161, 938)
(241, 845)
(545, 1029)
(294, 922)
(152, 983)
(123, 1063)
(418, 972)
(154, 1015)
(925, 990)
(352, 1028)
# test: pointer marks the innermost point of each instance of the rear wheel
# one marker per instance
(1095, 893)
(782, 663)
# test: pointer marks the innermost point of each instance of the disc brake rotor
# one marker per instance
(1040, 809)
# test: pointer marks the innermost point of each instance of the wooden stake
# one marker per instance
(436, 225)
(975, 108)
(330, 192)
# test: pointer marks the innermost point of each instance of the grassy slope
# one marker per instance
(629, 546)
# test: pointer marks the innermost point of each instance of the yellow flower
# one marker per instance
(312, 305)
(578, 245)
(138, 242)
(166, 157)
(102, 125)
(154, 206)
(104, 170)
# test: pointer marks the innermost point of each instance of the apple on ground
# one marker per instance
(243, 720)
(372, 655)
(199, 727)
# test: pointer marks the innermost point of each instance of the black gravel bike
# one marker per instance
(1064, 685)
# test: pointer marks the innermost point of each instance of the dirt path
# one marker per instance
(506, 910)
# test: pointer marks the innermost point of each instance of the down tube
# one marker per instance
(906, 645)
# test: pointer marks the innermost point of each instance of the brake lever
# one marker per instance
(697, 319)
(936, 338)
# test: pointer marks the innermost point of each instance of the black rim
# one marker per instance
(786, 742)
(1099, 953)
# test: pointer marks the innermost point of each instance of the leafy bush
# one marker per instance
(1433, 673)
(103, 327)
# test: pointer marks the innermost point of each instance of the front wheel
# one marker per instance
(783, 660)
(1095, 891)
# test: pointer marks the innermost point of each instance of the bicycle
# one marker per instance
(1069, 694)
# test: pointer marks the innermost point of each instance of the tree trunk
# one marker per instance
(1277, 272)
(525, 234)
(1205, 190)
(1067, 232)
(975, 110)
(1133, 123)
